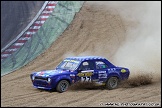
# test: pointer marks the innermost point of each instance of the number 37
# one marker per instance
(88, 79)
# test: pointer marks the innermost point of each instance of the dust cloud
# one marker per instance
(141, 50)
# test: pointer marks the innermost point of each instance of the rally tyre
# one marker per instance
(112, 83)
(62, 86)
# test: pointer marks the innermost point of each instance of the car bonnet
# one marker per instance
(46, 73)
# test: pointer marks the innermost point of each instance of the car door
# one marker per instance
(101, 70)
(86, 71)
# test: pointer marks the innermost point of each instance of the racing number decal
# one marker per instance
(88, 79)
(85, 79)
(85, 76)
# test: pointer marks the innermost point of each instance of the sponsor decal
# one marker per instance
(85, 76)
(41, 73)
(72, 76)
(123, 70)
(102, 74)
(112, 69)
(82, 74)
(95, 80)
(74, 61)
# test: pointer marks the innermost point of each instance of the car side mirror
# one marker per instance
(79, 71)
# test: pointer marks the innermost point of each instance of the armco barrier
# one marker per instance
(42, 38)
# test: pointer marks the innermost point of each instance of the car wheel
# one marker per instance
(62, 86)
(112, 83)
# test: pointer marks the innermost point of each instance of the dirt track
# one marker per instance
(94, 31)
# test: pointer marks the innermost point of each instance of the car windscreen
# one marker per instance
(68, 64)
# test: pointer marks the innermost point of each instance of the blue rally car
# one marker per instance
(73, 69)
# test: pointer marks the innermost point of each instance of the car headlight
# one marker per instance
(48, 80)
(33, 77)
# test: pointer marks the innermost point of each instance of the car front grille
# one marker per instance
(40, 78)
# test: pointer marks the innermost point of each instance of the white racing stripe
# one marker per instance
(47, 11)
(24, 38)
(35, 27)
(38, 22)
(43, 16)
(50, 7)
(14, 49)
(30, 33)
(19, 44)
(5, 55)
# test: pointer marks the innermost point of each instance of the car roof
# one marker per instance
(82, 58)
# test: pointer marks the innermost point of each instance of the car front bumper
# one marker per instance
(42, 84)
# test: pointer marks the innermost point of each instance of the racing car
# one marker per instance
(82, 68)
